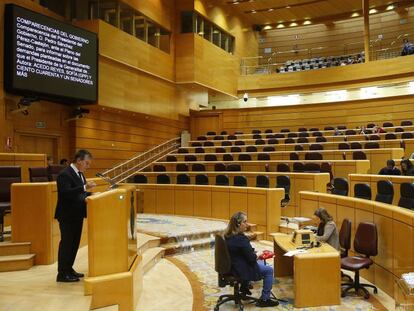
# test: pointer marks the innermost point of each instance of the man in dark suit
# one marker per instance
(70, 211)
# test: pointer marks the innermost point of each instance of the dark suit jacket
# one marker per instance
(71, 204)
(243, 258)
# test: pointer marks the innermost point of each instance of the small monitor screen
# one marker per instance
(305, 238)
(48, 58)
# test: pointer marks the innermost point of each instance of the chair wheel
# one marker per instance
(366, 296)
(343, 294)
(241, 308)
(216, 308)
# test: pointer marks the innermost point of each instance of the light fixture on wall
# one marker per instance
(24, 104)
(78, 113)
(245, 97)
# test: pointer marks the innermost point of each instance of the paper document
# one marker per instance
(295, 252)
(301, 219)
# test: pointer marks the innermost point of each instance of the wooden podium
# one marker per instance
(115, 270)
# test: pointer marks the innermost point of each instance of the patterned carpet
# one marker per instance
(169, 225)
(201, 263)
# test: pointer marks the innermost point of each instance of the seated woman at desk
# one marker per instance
(327, 231)
(244, 260)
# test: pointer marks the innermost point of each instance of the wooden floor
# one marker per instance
(37, 289)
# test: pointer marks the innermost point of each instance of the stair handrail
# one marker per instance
(125, 170)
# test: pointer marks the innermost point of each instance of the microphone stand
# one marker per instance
(113, 185)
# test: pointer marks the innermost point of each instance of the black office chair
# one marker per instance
(283, 181)
(282, 167)
(233, 168)
(251, 149)
(183, 179)
(219, 167)
(181, 167)
(140, 179)
(340, 186)
(298, 167)
(385, 191)
(262, 181)
(227, 157)
(159, 168)
(225, 277)
(199, 150)
(171, 158)
(198, 167)
(406, 195)
(163, 179)
(268, 149)
(201, 179)
(362, 191)
(263, 157)
(240, 181)
(222, 180)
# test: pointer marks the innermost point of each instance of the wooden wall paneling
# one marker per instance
(257, 207)
(238, 200)
(201, 62)
(184, 200)
(203, 201)
(165, 199)
(352, 113)
(149, 194)
(220, 202)
(403, 239)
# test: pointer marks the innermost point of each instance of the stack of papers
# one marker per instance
(295, 252)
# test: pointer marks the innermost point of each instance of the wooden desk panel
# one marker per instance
(262, 206)
(202, 201)
(316, 274)
(299, 182)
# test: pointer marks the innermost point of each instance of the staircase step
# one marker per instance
(189, 236)
(8, 248)
(187, 246)
(146, 241)
(16, 262)
(151, 256)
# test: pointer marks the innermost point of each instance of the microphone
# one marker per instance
(108, 180)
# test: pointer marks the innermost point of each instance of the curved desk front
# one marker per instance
(316, 273)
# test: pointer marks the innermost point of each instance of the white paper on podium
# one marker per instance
(295, 252)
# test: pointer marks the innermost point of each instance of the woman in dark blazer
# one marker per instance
(244, 260)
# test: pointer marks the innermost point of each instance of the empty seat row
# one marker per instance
(385, 191)
(262, 181)
(198, 167)
(314, 129)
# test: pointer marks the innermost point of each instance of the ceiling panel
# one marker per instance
(264, 12)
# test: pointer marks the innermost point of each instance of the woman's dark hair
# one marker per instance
(323, 215)
(233, 228)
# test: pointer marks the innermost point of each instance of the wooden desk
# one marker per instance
(316, 274)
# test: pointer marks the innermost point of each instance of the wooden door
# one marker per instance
(202, 124)
(39, 144)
